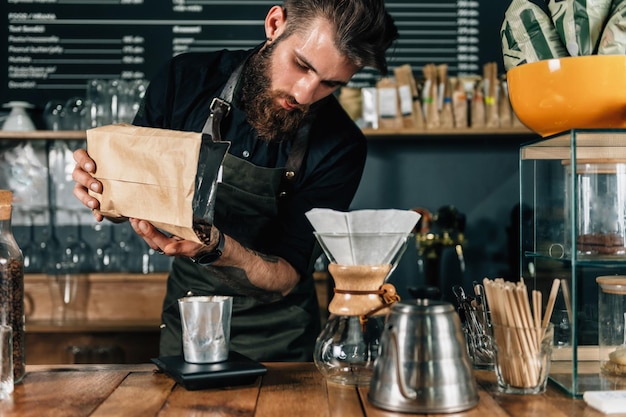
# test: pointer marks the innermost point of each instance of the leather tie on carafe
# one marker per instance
(388, 296)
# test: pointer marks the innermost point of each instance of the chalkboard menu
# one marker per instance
(55, 46)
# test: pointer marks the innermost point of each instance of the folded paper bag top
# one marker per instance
(150, 174)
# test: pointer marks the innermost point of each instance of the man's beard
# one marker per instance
(271, 121)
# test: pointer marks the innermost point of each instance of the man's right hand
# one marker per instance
(82, 175)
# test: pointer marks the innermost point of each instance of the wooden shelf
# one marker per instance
(370, 133)
(44, 134)
(108, 277)
(92, 326)
(373, 133)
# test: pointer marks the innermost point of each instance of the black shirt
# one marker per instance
(178, 98)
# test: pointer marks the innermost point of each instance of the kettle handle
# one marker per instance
(406, 391)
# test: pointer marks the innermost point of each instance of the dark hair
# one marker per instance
(364, 30)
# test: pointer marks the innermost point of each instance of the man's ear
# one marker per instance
(275, 22)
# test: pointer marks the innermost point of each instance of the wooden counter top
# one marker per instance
(287, 390)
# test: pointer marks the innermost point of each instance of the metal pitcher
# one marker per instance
(423, 364)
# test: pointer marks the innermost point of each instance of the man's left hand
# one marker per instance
(168, 245)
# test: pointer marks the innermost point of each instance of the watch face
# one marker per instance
(208, 258)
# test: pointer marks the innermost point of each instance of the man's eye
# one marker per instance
(301, 65)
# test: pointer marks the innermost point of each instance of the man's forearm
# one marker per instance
(256, 274)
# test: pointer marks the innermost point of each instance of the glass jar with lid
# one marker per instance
(612, 324)
(600, 205)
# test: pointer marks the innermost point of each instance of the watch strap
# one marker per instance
(207, 258)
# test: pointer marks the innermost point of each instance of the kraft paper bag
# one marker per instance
(151, 174)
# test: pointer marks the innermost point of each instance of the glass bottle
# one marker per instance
(612, 324)
(12, 284)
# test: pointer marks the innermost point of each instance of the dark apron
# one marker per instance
(279, 331)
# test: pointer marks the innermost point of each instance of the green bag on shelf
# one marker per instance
(613, 40)
(528, 34)
(579, 23)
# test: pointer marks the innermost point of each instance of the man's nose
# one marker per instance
(305, 88)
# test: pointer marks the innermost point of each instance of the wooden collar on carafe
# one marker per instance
(388, 296)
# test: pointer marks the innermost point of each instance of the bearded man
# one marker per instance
(293, 148)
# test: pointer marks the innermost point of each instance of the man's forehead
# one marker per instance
(316, 45)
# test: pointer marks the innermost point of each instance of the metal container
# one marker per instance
(423, 365)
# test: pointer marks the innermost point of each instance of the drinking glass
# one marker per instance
(73, 114)
(69, 292)
(128, 248)
(6, 361)
(118, 98)
(523, 357)
(137, 91)
(98, 103)
(106, 250)
(34, 249)
(53, 114)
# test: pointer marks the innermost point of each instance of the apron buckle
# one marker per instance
(219, 109)
(219, 105)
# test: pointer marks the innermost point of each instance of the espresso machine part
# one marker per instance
(436, 235)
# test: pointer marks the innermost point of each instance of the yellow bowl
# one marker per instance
(556, 95)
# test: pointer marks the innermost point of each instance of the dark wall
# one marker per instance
(479, 175)
(53, 48)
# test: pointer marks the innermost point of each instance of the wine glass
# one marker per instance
(106, 250)
(136, 93)
(73, 114)
(147, 259)
(53, 115)
(128, 248)
(70, 259)
(34, 250)
(98, 103)
(77, 250)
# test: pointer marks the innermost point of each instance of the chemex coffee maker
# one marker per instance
(363, 247)
(436, 236)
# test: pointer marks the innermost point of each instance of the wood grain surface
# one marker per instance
(287, 390)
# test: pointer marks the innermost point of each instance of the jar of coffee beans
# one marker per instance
(12, 285)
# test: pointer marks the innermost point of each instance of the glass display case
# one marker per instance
(572, 228)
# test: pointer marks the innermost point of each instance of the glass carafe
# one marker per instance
(347, 347)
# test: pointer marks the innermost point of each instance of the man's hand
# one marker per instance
(82, 175)
(168, 245)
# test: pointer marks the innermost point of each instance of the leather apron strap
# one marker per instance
(220, 106)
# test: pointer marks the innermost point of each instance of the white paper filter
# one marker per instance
(342, 233)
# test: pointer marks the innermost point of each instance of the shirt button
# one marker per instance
(245, 154)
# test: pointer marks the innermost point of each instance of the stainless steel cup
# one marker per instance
(205, 322)
(423, 365)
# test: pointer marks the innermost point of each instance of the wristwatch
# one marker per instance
(207, 258)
